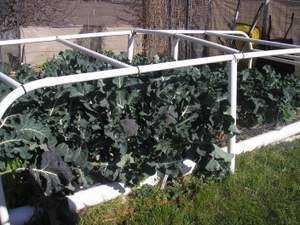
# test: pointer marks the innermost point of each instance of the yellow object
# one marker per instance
(246, 27)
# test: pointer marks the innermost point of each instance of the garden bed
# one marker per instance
(61, 140)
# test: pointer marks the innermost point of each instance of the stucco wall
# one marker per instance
(38, 53)
(71, 17)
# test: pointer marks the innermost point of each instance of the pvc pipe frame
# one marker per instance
(258, 41)
(282, 58)
(75, 78)
(4, 216)
(9, 81)
(131, 42)
(21, 90)
(233, 107)
(190, 38)
(94, 54)
(175, 48)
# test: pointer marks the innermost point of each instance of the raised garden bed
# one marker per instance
(62, 139)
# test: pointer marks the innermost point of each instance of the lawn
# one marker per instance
(264, 190)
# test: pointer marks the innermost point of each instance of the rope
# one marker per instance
(139, 71)
(24, 88)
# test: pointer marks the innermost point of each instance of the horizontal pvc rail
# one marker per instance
(94, 54)
(295, 57)
(220, 33)
(189, 38)
(258, 41)
(277, 52)
(130, 34)
(279, 59)
(102, 34)
(9, 81)
(201, 32)
(292, 58)
(64, 37)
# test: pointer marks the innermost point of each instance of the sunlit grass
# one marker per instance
(265, 190)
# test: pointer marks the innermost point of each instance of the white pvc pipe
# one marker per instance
(92, 53)
(233, 107)
(9, 81)
(64, 37)
(203, 31)
(268, 138)
(279, 59)
(4, 216)
(96, 195)
(286, 61)
(248, 55)
(258, 41)
(131, 42)
(8, 100)
(295, 57)
(175, 48)
(272, 137)
(189, 38)
(103, 34)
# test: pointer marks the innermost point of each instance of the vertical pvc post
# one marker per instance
(4, 216)
(131, 42)
(250, 64)
(175, 47)
(233, 105)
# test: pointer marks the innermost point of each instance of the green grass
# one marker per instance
(265, 190)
